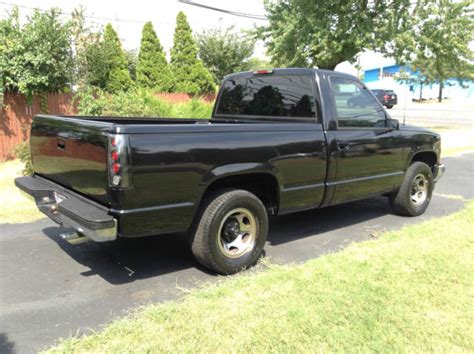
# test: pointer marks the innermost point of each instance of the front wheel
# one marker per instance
(414, 195)
(230, 232)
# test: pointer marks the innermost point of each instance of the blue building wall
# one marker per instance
(388, 71)
(452, 90)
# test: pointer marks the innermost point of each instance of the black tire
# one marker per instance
(389, 106)
(207, 235)
(404, 202)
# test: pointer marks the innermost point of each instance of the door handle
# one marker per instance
(343, 145)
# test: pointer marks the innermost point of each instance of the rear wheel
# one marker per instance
(389, 106)
(230, 232)
(414, 195)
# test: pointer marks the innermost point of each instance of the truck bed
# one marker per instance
(173, 160)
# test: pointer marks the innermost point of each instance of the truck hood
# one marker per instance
(414, 128)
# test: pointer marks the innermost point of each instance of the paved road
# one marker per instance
(435, 115)
(50, 289)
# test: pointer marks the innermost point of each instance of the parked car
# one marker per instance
(387, 97)
(279, 141)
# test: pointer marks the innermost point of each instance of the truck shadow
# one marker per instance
(126, 260)
(291, 227)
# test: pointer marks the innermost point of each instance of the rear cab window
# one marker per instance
(272, 96)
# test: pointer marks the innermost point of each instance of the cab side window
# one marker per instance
(355, 107)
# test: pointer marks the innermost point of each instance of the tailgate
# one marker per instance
(73, 153)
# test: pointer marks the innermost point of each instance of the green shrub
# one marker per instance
(90, 102)
(195, 108)
(22, 152)
(139, 103)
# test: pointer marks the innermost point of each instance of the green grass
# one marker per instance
(408, 291)
(454, 141)
(15, 207)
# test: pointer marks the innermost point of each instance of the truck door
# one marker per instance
(368, 154)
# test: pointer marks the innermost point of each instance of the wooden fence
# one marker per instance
(16, 115)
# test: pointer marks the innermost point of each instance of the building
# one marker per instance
(385, 77)
(380, 72)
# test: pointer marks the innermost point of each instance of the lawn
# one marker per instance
(456, 141)
(407, 291)
(15, 206)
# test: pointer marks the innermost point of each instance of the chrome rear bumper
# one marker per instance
(84, 216)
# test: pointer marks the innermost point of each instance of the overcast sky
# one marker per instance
(161, 12)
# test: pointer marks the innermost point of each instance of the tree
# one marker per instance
(37, 58)
(224, 52)
(312, 33)
(118, 75)
(437, 43)
(152, 68)
(95, 57)
(190, 75)
(9, 49)
(94, 63)
(255, 63)
(132, 62)
(91, 60)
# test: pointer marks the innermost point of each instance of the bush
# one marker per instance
(22, 152)
(89, 102)
(195, 108)
(139, 103)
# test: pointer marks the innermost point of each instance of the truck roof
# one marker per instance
(291, 71)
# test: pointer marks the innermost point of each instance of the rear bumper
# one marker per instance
(438, 171)
(85, 216)
(390, 102)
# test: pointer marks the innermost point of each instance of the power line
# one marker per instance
(229, 12)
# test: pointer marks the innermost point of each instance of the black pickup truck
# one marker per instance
(279, 141)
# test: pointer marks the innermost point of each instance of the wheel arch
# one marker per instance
(254, 178)
(427, 156)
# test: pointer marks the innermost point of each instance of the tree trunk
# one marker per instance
(328, 65)
(440, 95)
(421, 92)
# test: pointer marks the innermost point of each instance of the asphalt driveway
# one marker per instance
(50, 289)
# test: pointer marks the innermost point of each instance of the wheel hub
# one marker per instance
(237, 233)
(419, 189)
(231, 230)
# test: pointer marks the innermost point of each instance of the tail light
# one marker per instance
(119, 161)
(386, 97)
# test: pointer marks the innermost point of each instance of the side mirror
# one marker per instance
(393, 124)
